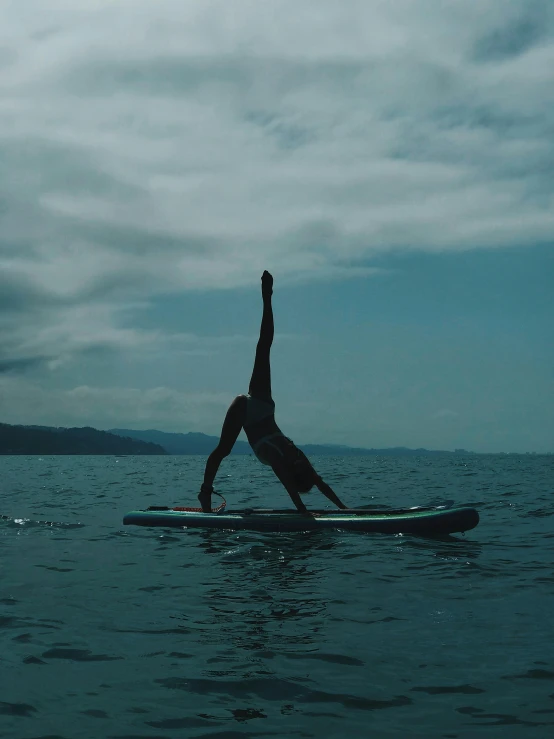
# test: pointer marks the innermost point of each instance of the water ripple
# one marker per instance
(119, 632)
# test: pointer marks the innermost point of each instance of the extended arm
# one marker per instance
(288, 483)
(329, 493)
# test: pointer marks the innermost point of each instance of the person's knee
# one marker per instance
(223, 450)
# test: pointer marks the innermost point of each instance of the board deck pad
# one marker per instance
(430, 520)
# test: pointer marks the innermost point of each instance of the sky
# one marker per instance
(389, 162)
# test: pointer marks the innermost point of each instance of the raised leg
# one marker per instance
(260, 382)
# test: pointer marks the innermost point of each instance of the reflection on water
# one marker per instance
(265, 597)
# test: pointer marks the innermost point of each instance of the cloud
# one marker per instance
(214, 142)
(525, 27)
(21, 364)
(26, 402)
(54, 333)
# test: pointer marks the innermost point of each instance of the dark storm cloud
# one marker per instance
(518, 35)
(189, 75)
(21, 365)
(34, 164)
(137, 239)
(19, 294)
(287, 134)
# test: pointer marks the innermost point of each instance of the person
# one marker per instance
(255, 413)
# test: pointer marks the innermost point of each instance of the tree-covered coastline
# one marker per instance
(48, 440)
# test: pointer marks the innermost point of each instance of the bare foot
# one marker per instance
(205, 501)
(267, 284)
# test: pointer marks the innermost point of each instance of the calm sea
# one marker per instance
(124, 632)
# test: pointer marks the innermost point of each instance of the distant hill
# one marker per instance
(50, 440)
(194, 443)
(191, 443)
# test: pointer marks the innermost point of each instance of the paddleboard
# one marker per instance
(430, 521)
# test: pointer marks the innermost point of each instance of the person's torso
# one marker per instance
(261, 429)
(260, 420)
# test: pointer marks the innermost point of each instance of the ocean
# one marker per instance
(128, 632)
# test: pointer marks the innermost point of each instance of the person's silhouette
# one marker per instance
(255, 413)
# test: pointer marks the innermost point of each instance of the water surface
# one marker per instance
(112, 631)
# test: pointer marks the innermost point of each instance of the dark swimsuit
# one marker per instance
(258, 410)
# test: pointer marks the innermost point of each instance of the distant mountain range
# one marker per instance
(195, 443)
(191, 443)
(51, 440)
(19, 439)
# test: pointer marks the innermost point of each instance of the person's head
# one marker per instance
(304, 474)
